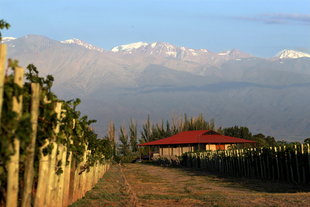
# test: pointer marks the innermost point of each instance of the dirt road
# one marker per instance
(155, 186)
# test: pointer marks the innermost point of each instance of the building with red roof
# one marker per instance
(197, 140)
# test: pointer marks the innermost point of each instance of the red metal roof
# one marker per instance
(198, 136)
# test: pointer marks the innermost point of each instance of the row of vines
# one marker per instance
(49, 154)
(290, 163)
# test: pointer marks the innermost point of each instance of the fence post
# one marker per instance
(28, 176)
(65, 201)
(50, 195)
(297, 164)
(61, 157)
(60, 178)
(72, 181)
(303, 164)
(308, 156)
(13, 164)
(277, 163)
(42, 177)
(2, 74)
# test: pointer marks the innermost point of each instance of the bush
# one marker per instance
(168, 161)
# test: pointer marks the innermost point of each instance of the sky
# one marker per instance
(259, 27)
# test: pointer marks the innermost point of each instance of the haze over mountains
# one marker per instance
(269, 95)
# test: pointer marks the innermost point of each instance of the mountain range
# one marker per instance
(268, 95)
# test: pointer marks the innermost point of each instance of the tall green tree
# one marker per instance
(307, 141)
(133, 136)
(111, 135)
(146, 133)
(3, 25)
(236, 131)
(124, 148)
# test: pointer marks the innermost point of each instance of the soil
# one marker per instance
(155, 186)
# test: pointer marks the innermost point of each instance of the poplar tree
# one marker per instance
(146, 133)
(124, 148)
(133, 136)
(3, 25)
(111, 135)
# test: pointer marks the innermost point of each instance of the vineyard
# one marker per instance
(290, 163)
(49, 154)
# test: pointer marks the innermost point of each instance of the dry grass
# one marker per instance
(159, 186)
(109, 191)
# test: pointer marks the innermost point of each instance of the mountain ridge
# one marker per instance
(136, 46)
(267, 95)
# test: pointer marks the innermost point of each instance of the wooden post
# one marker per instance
(303, 165)
(2, 73)
(297, 164)
(60, 178)
(28, 176)
(277, 163)
(72, 181)
(43, 175)
(61, 157)
(65, 201)
(68, 185)
(308, 155)
(290, 166)
(50, 194)
(13, 164)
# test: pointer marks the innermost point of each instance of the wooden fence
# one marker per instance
(283, 163)
(45, 184)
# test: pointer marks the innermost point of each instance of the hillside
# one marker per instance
(269, 95)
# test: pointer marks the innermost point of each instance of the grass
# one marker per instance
(161, 186)
(109, 191)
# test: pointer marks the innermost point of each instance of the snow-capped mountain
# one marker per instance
(82, 43)
(129, 47)
(293, 54)
(164, 49)
(160, 79)
(158, 48)
(7, 39)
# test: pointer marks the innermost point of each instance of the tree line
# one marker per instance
(130, 137)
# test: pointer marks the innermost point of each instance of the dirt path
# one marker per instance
(111, 190)
(159, 186)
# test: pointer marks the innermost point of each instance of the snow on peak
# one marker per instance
(291, 54)
(129, 47)
(7, 39)
(204, 50)
(81, 43)
(153, 44)
(224, 53)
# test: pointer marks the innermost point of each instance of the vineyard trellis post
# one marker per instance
(29, 168)
(60, 176)
(50, 194)
(2, 74)
(67, 173)
(25, 185)
(42, 177)
(13, 164)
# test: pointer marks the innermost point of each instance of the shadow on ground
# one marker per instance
(258, 185)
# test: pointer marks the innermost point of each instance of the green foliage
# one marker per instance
(74, 130)
(264, 141)
(289, 163)
(3, 25)
(133, 136)
(244, 133)
(240, 132)
(307, 141)
(152, 132)
(124, 148)
(146, 131)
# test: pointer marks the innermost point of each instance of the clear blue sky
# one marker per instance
(259, 27)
